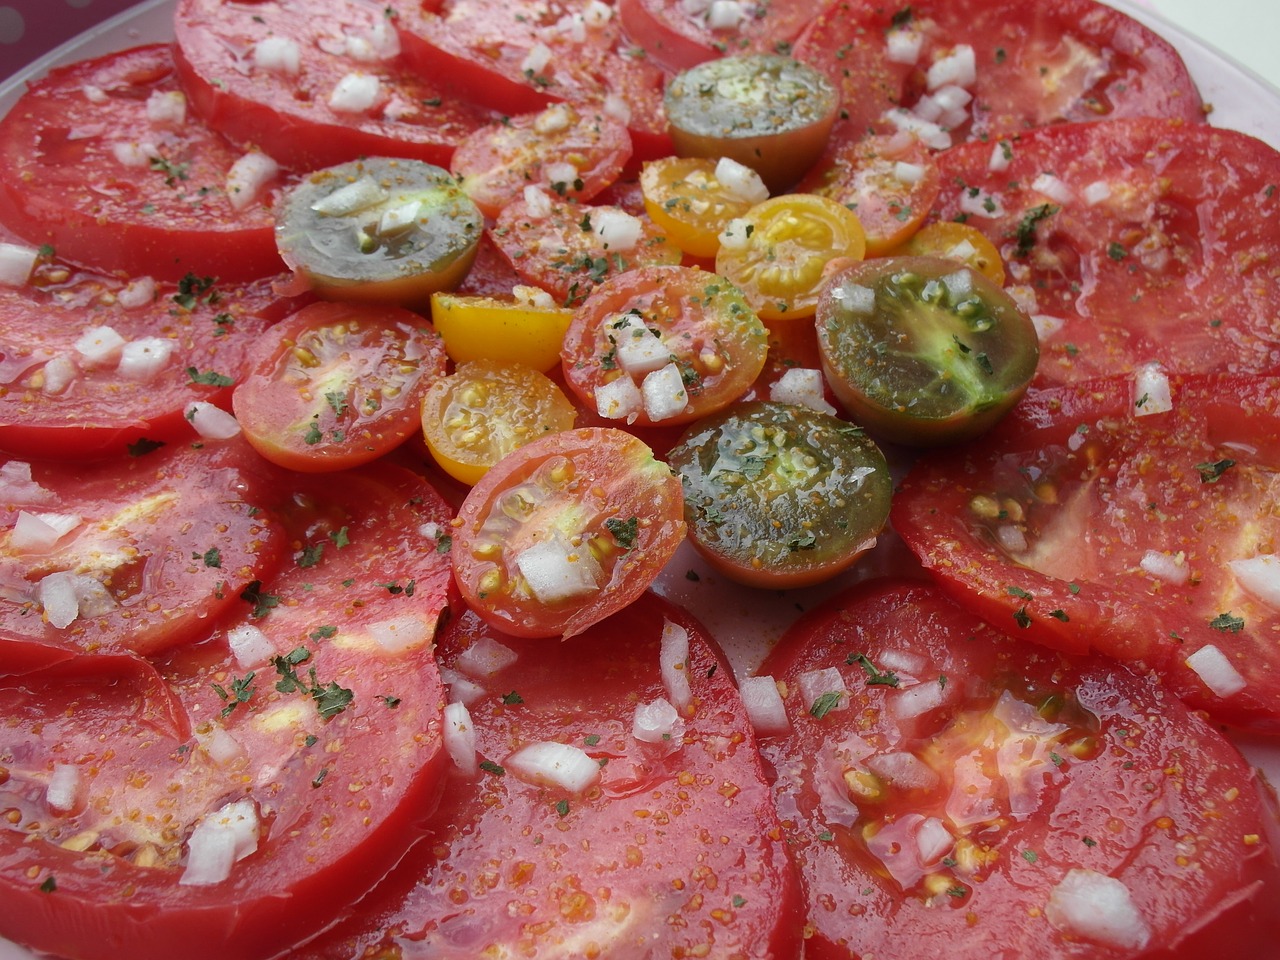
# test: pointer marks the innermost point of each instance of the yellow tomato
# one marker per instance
(684, 198)
(474, 417)
(956, 241)
(517, 330)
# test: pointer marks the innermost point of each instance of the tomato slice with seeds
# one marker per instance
(1129, 516)
(951, 240)
(683, 196)
(523, 326)
(944, 783)
(663, 345)
(565, 531)
(337, 384)
(682, 35)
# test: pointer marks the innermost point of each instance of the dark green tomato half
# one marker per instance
(781, 496)
(923, 351)
(770, 112)
(379, 230)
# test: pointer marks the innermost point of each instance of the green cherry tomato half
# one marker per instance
(923, 351)
(770, 112)
(379, 230)
(780, 496)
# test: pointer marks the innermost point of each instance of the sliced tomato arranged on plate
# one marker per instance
(681, 34)
(105, 162)
(943, 784)
(661, 842)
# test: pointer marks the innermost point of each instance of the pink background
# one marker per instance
(29, 28)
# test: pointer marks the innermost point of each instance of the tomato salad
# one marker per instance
(636, 479)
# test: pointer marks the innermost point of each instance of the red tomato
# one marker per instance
(102, 161)
(943, 784)
(673, 852)
(565, 531)
(572, 152)
(1150, 242)
(337, 384)
(567, 248)
(680, 35)
(137, 554)
(314, 85)
(60, 401)
(679, 341)
(323, 730)
(1091, 520)
(1029, 66)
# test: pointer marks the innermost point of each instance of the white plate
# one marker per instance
(745, 621)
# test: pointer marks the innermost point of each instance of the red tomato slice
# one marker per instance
(673, 852)
(680, 35)
(565, 531)
(663, 345)
(568, 249)
(104, 162)
(1091, 520)
(944, 784)
(314, 84)
(138, 554)
(1025, 66)
(1149, 242)
(337, 385)
(61, 401)
(323, 727)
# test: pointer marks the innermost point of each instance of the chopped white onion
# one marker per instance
(1152, 392)
(802, 387)
(211, 421)
(352, 198)
(740, 182)
(249, 645)
(167, 109)
(222, 748)
(1171, 568)
(1096, 192)
(910, 702)
(99, 345)
(616, 106)
(557, 570)
(596, 13)
(816, 684)
(278, 55)
(933, 841)
(673, 660)
(903, 45)
(903, 769)
(59, 373)
(725, 14)
(538, 202)
(902, 662)
(619, 230)
(1218, 673)
(1011, 538)
(133, 153)
(17, 486)
(551, 764)
(554, 119)
(1001, 156)
(560, 175)
(143, 359)
(656, 722)
(16, 263)
(1097, 907)
(401, 634)
(139, 292)
(94, 94)
(56, 593)
(484, 658)
(460, 738)
(619, 399)
(855, 298)
(65, 788)
(979, 203)
(1046, 324)
(247, 177)
(1260, 576)
(736, 234)
(536, 59)
(639, 349)
(958, 67)
(663, 393)
(959, 284)
(461, 688)
(764, 705)
(905, 172)
(927, 132)
(218, 841)
(38, 532)
(355, 93)
(1053, 187)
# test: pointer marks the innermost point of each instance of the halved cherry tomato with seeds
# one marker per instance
(955, 241)
(521, 328)
(683, 196)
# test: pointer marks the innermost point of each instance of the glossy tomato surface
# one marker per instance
(682, 35)
(948, 789)
(674, 849)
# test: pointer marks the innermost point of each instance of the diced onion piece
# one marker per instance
(978, 203)
(167, 109)
(380, 43)
(211, 421)
(656, 722)
(59, 373)
(663, 393)
(218, 841)
(816, 684)
(99, 345)
(1096, 192)
(536, 59)
(1097, 907)
(596, 13)
(538, 202)
(933, 840)
(903, 769)
(958, 67)
(1011, 538)
(551, 764)
(222, 748)
(354, 197)
(249, 645)
(725, 14)
(1001, 156)
(38, 532)
(1171, 568)
(246, 178)
(554, 119)
(619, 230)
(959, 284)
(926, 131)
(355, 93)
(910, 702)
(1046, 324)
(1259, 575)
(619, 399)
(617, 107)
(278, 55)
(557, 570)
(18, 487)
(903, 45)
(16, 263)
(905, 172)
(462, 689)
(139, 292)
(802, 387)
(460, 738)
(740, 182)
(673, 660)
(855, 298)
(65, 788)
(1152, 393)
(56, 593)
(736, 234)
(902, 662)
(484, 658)
(94, 94)
(133, 153)
(1218, 673)
(1053, 187)
(764, 705)
(561, 175)
(639, 349)
(144, 358)
(397, 635)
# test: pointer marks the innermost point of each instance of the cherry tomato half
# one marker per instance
(565, 531)
(956, 241)
(516, 329)
(683, 196)
(337, 384)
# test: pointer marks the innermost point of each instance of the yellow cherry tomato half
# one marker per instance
(956, 241)
(477, 415)
(519, 329)
(778, 252)
(684, 198)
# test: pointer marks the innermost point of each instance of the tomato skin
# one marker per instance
(162, 218)
(680, 39)
(956, 241)
(1100, 768)
(504, 329)
(684, 198)
(337, 385)
(583, 488)
(1085, 580)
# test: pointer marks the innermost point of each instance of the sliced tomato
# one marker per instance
(491, 273)
(565, 531)
(92, 364)
(681, 35)
(314, 85)
(684, 197)
(337, 384)
(104, 162)
(663, 345)
(574, 152)
(1106, 516)
(953, 240)
(964, 69)
(568, 249)
(941, 782)
(672, 850)
(522, 327)
(314, 722)
(135, 554)
(1149, 241)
